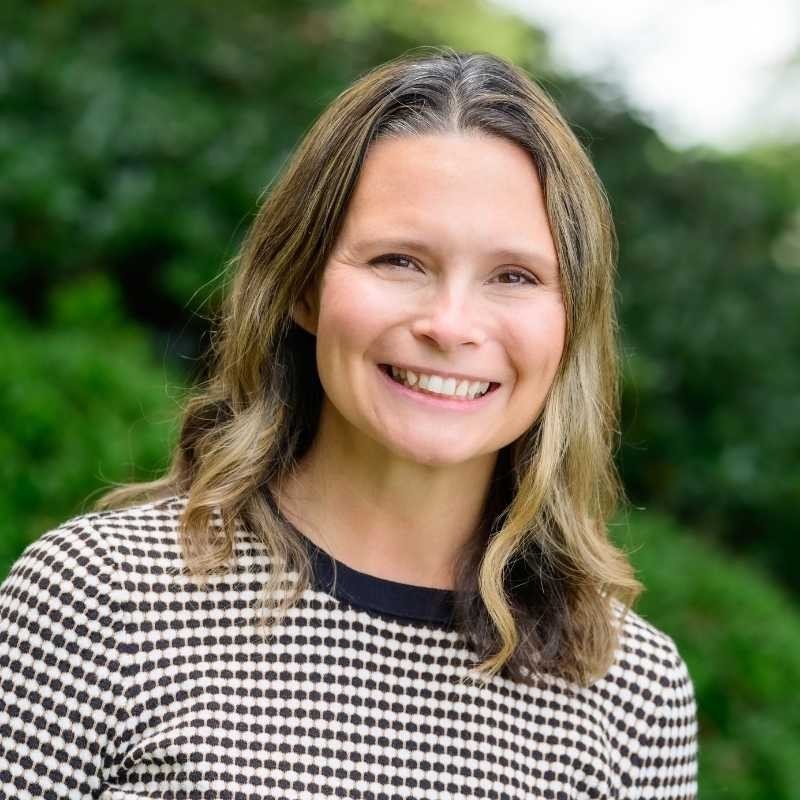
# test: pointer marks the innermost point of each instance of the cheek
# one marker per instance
(535, 340)
(351, 317)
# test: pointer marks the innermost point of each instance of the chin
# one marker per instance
(434, 457)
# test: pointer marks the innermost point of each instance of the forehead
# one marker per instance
(455, 189)
(428, 165)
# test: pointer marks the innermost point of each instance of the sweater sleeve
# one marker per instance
(667, 768)
(61, 666)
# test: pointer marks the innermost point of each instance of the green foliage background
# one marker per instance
(135, 140)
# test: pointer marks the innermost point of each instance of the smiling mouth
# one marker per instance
(437, 387)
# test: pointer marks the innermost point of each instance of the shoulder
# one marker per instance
(645, 650)
(94, 547)
(649, 683)
(649, 698)
(639, 634)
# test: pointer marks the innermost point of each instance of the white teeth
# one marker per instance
(435, 384)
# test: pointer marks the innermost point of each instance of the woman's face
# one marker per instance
(445, 267)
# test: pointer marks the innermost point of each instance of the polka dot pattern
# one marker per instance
(122, 679)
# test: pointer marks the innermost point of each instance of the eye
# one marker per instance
(392, 259)
(521, 277)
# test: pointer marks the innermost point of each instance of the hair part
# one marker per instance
(536, 587)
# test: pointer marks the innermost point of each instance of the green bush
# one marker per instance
(84, 405)
(709, 295)
(740, 637)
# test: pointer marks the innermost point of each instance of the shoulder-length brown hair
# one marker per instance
(539, 588)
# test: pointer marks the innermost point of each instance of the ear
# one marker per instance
(306, 313)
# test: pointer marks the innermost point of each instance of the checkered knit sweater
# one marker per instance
(122, 679)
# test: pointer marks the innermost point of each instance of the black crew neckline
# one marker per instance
(404, 601)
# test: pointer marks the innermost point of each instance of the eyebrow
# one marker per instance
(510, 253)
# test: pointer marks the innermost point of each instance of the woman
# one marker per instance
(403, 456)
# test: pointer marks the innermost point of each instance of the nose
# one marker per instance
(449, 320)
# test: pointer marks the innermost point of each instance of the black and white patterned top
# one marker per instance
(122, 679)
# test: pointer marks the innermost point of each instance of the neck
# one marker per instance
(384, 515)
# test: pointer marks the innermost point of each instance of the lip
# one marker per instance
(457, 375)
(432, 401)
